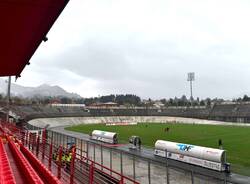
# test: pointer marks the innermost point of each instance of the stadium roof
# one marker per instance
(24, 25)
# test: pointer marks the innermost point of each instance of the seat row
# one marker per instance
(29, 173)
(6, 174)
(43, 172)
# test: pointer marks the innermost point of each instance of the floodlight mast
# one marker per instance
(8, 99)
(191, 79)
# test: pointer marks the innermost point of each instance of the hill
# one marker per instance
(40, 91)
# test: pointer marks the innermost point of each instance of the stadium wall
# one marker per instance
(70, 121)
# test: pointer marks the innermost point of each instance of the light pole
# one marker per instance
(8, 99)
(191, 79)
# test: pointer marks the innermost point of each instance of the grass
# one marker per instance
(236, 139)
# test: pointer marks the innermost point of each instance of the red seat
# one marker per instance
(6, 174)
(28, 171)
(44, 173)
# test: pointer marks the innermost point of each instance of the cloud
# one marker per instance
(146, 47)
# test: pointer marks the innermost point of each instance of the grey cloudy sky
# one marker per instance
(146, 47)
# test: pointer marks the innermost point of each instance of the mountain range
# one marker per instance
(39, 91)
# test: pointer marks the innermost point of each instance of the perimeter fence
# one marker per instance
(140, 168)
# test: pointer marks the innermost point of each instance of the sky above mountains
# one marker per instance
(147, 47)
(43, 90)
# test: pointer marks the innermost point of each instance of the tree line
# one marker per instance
(127, 99)
(120, 99)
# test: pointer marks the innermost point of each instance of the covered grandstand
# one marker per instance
(26, 156)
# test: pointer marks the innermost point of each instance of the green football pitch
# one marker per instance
(235, 139)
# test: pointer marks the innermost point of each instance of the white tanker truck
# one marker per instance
(108, 137)
(211, 158)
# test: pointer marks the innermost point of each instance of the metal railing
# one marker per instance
(51, 152)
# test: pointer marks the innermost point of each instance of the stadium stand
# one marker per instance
(222, 112)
